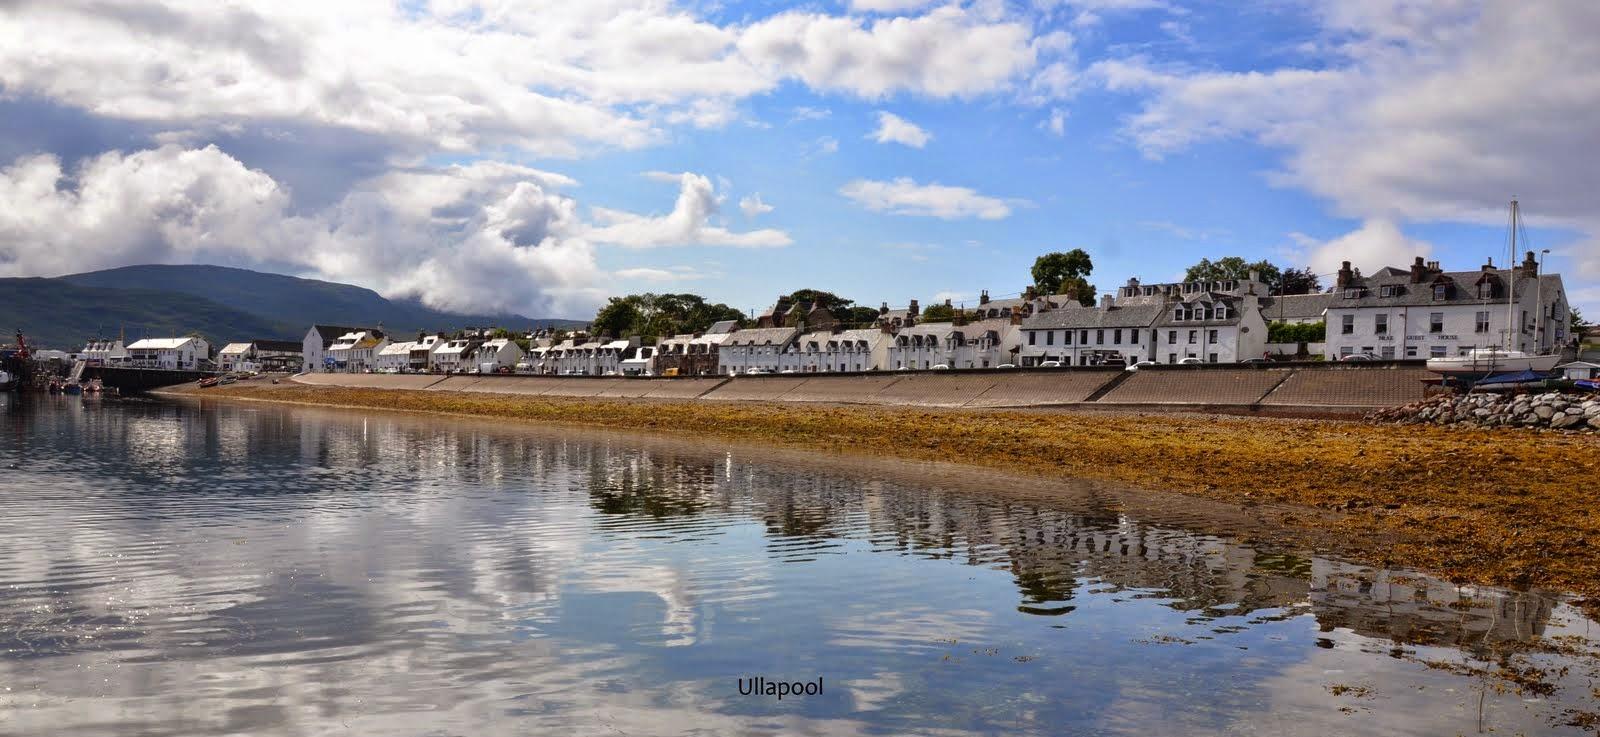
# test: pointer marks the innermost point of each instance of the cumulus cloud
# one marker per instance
(486, 236)
(691, 222)
(947, 52)
(752, 206)
(1376, 244)
(895, 129)
(888, 6)
(903, 196)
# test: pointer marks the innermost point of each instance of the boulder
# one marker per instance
(1566, 421)
(1544, 411)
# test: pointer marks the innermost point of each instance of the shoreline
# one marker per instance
(1509, 508)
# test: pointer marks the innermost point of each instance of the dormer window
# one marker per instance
(1485, 290)
(1441, 292)
(1222, 312)
(1388, 290)
(1352, 293)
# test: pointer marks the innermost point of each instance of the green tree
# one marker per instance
(1232, 267)
(859, 316)
(652, 316)
(1286, 332)
(1578, 323)
(835, 304)
(1296, 281)
(939, 313)
(618, 317)
(1060, 272)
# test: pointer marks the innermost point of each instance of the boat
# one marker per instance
(14, 365)
(210, 382)
(1490, 361)
(72, 387)
(7, 381)
(1480, 363)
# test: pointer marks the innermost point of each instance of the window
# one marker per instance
(1436, 322)
(1172, 358)
(1211, 358)
(1345, 350)
(1388, 353)
(1437, 351)
(1068, 336)
(1033, 337)
(1172, 337)
(1211, 336)
(1050, 337)
(1116, 337)
(1133, 335)
(1380, 324)
(1525, 323)
(1099, 337)
(1354, 293)
(1485, 290)
(1387, 290)
(1179, 315)
(1347, 324)
(1440, 292)
(1222, 312)
(1367, 350)
(1411, 351)
(1482, 323)
(1194, 336)
(1083, 337)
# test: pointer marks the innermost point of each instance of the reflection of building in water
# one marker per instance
(1420, 610)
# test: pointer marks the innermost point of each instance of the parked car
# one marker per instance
(1007, 365)
(1140, 365)
(1359, 357)
(1050, 364)
(1113, 363)
(1189, 361)
(1255, 360)
(939, 367)
(755, 371)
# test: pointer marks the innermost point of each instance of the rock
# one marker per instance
(1566, 421)
(1544, 411)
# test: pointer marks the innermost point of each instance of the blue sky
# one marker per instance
(539, 157)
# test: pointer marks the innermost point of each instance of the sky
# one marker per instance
(539, 157)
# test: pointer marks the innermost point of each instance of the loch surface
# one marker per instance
(179, 568)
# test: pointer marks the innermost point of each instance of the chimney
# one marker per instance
(884, 309)
(887, 327)
(959, 318)
(1016, 317)
(1433, 266)
(1489, 265)
(1347, 277)
(947, 303)
(983, 298)
(1419, 271)
(1105, 302)
(913, 310)
(1530, 267)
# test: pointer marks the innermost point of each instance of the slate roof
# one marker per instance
(280, 346)
(1296, 306)
(762, 336)
(1075, 318)
(1465, 291)
(156, 344)
(330, 333)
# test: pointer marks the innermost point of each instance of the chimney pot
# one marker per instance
(912, 310)
(983, 297)
(1105, 302)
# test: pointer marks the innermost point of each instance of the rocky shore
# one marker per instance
(1554, 410)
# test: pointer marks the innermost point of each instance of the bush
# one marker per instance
(1283, 332)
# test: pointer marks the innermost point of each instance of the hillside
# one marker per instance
(296, 301)
(57, 314)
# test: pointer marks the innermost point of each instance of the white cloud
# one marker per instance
(827, 145)
(895, 129)
(904, 196)
(486, 236)
(661, 276)
(689, 223)
(752, 206)
(1056, 123)
(1376, 244)
(948, 52)
(804, 112)
(888, 6)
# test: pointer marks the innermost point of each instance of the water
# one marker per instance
(185, 570)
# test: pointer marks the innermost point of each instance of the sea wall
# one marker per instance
(1280, 388)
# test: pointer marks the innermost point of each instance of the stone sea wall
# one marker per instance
(1571, 412)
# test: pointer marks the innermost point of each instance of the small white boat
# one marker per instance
(1486, 361)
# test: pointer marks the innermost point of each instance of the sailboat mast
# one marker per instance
(1511, 302)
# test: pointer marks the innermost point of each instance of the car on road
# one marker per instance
(1189, 361)
(1050, 364)
(939, 367)
(1007, 365)
(1359, 357)
(755, 371)
(1140, 365)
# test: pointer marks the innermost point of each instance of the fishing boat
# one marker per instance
(207, 383)
(14, 365)
(1479, 363)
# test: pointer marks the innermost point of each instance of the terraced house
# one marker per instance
(1212, 322)
(757, 348)
(824, 351)
(1426, 312)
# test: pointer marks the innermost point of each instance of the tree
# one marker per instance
(1234, 268)
(618, 317)
(1578, 323)
(1297, 281)
(939, 313)
(652, 316)
(835, 304)
(859, 316)
(1058, 273)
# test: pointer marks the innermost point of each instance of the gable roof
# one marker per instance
(1296, 306)
(157, 344)
(1074, 318)
(235, 348)
(762, 336)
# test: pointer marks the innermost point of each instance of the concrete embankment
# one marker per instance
(1331, 389)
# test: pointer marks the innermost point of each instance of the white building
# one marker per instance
(394, 357)
(757, 348)
(1580, 371)
(641, 363)
(237, 357)
(1214, 322)
(1296, 309)
(420, 359)
(1086, 336)
(314, 347)
(986, 343)
(104, 351)
(357, 352)
(694, 354)
(825, 351)
(493, 355)
(187, 354)
(1426, 312)
(453, 356)
(921, 346)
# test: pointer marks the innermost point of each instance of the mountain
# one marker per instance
(218, 302)
(55, 314)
